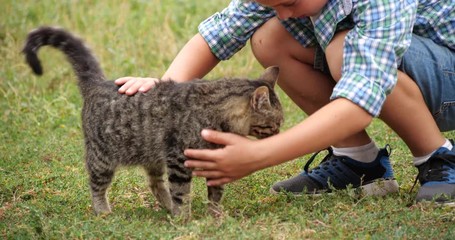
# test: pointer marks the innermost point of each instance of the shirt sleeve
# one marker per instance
(373, 50)
(227, 32)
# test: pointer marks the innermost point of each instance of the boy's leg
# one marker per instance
(310, 89)
(432, 67)
(404, 110)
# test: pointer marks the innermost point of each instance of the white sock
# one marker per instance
(366, 153)
(420, 160)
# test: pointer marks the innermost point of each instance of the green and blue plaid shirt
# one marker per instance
(381, 33)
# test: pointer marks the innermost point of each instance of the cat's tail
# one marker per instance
(83, 61)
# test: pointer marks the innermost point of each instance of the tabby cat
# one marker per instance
(152, 129)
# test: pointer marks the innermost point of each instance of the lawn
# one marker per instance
(43, 183)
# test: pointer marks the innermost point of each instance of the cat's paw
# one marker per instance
(181, 217)
(102, 212)
(101, 208)
(215, 210)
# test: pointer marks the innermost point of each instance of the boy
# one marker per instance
(339, 62)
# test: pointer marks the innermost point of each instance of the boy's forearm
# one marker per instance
(334, 122)
(194, 60)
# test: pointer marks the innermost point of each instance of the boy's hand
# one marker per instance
(237, 159)
(132, 85)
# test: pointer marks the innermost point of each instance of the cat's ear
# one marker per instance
(270, 75)
(260, 98)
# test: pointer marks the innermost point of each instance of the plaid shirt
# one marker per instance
(381, 31)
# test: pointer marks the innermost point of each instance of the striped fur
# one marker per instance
(152, 129)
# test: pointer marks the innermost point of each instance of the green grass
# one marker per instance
(43, 183)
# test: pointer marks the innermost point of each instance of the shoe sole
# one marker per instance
(376, 188)
(449, 204)
(441, 204)
(380, 188)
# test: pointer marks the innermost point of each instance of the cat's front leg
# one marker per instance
(180, 188)
(215, 194)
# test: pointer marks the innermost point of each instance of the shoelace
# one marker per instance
(433, 169)
(327, 157)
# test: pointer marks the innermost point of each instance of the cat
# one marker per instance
(152, 129)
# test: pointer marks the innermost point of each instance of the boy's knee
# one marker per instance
(265, 44)
(272, 44)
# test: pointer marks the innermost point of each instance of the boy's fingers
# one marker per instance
(207, 174)
(219, 137)
(147, 85)
(203, 163)
(122, 80)
(132, 85)
(136, 84)
(125, 86)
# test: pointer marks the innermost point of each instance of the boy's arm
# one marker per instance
(242, 156)
(219, 38)
(195, 60)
